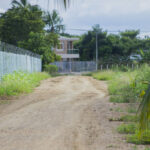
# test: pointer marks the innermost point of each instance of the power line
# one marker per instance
(113, 31)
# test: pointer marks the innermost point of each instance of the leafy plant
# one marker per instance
(51, 69)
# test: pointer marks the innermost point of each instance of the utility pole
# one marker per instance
(96, 50)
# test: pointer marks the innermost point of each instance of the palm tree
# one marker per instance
(53, 22)
(21, 4)
(64, 3)
(144, 110)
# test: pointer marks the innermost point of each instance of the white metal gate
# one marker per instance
(75, 66)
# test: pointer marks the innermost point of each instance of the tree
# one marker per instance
(42, 44)
(21, 4)
(64, 3)
(132, 34)
(17, 23)
(53, 22)
(111, 47)
(22, 25)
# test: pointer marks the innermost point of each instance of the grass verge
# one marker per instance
(20, 82)
(126, 87)
(127, 128)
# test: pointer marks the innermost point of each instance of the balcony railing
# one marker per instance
(73, 51)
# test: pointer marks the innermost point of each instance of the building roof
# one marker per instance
(68, 38)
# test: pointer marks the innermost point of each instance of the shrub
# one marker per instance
(51, 69)
(20, 82)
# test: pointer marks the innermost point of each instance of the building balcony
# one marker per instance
(65, 56)
(72, 51)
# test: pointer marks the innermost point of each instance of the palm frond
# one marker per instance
(144, 111)
(64, 3)
(16, 3)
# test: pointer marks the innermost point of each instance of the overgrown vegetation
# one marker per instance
(128, 87)
(20, 82)
(127, 128)
(105, 75)
(51, 69)
(113, 48)
(29, 27)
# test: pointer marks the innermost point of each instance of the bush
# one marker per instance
(20, 82)
(51, 69)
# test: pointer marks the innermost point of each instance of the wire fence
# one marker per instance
(90, 66)
(126, 65)
(75, 66)
(13, 58)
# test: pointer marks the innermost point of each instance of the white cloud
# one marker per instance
(2, 10)
(110, 14)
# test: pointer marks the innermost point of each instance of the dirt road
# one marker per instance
(64, 113)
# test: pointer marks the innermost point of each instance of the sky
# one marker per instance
(112, 15)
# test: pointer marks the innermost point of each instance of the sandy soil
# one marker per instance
(64, 113)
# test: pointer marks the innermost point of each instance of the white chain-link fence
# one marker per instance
(17, 59)
(75, 66)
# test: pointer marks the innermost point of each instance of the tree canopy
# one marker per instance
(26, 26)
(111, 47)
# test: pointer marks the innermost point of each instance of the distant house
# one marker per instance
(66, 49)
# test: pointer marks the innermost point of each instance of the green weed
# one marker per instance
(20, 82)
(144, 139)
(129, 118)
(104, 75)
(127, 128)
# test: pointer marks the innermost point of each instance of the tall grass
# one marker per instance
(20, 82)
(127, 87)
(104, 75)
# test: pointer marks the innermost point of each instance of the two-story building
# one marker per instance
(66, 49)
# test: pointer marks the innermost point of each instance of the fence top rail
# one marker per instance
(16, 50)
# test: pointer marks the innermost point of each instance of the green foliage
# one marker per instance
(118, 99)
(124, 87)
(132, 110)
(132, 34)
(127, 128)
(144, 139)
(128, 87)
(112, 48)
(88, 74)
(129, 118)
(18, 22)
(51, 69)
(53, 22)
(42, 44)
(20, 82)
(118, 109)
(104, 75)
(24, 25)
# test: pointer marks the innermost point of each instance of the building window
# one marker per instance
(69, 45)
(62, 45)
